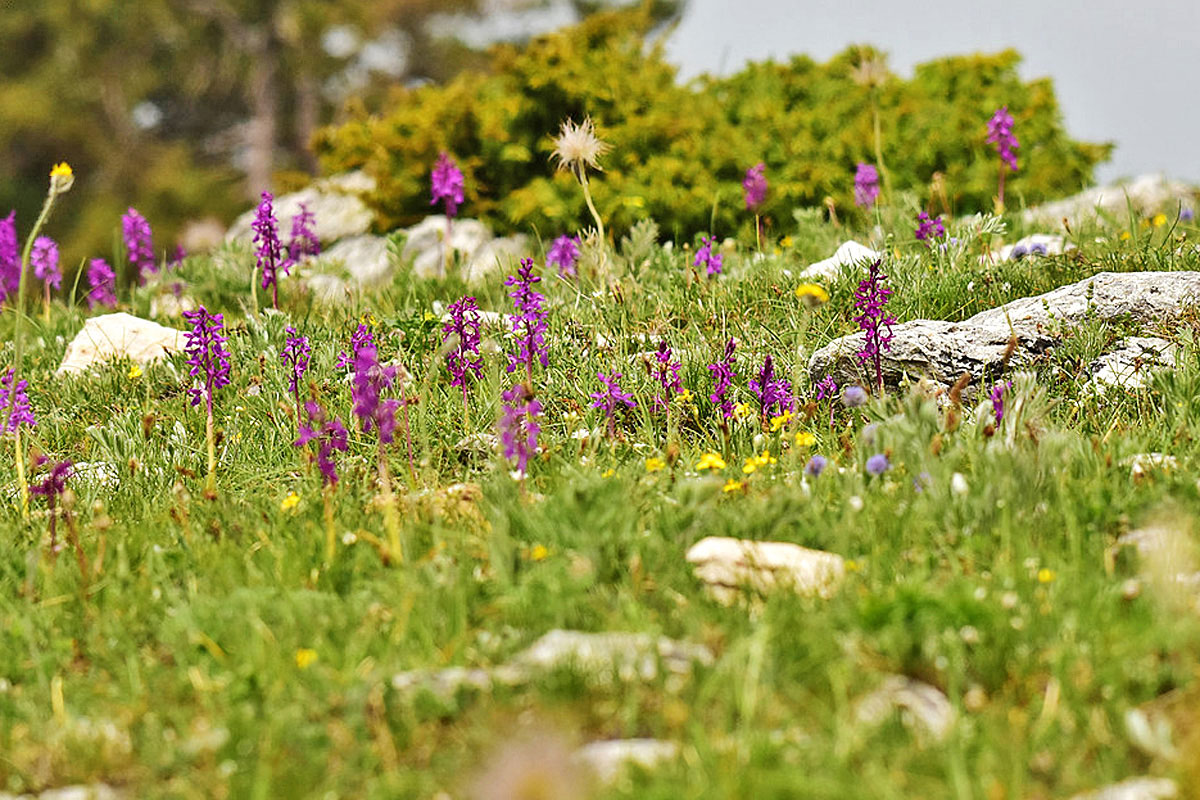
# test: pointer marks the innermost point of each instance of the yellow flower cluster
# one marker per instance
(805, 439)
(754, 463)
(811, 294)
(732, 486)
(710, 461)
(654, 464)
(781, 421)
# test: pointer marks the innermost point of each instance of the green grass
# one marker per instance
(175, 673)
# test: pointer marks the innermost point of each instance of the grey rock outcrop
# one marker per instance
(941, 350)
(423, 245)
(335, 203)
(1132, 363)
(1148, 194)
(365, 258)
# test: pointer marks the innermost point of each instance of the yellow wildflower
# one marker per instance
(851, 565)
(1159, 220)
(61, 170)
(289, 502)
(1045, 575)
(654, 464)
(1124, 235)
(684, 397)
(608, 473)
(781, 421)
(786, 242)
(429, 316)
(61, 178)
(805, 439)
(538, 553)
(732, 486)
(710, 461)
(305, 657)
(811, 294)
(757, 462)
(135, 372)
(742, 411)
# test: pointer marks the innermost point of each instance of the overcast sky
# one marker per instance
(1124, 71)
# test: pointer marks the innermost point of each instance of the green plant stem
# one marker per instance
(210, 483)
(391, 521)
(22, 485)
(330, 536)
(587, 196)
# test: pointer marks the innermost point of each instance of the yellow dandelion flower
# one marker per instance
(135, 372)
(805, 439)
(1159, 220)
(289, 502)
(781, 421)
(654, 464)
(1045, 575)
(538, 553)
(732, 486)
(61, 170)
(305, 657)
(710, 461)
(811, 294)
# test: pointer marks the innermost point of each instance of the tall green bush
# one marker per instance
(679, 152)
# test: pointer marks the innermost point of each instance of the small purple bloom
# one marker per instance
(815, 466)
(44, 259)
(866, 185)
(723, 375)
(447, 183)
(55, 482)
(139, 243)
(1018, 252)
(707, 256)
(870, 297)
(177, 257)
(304, 242)
(529, 321)
(666, 372)
(14, 404)
(329, 435)
(878, 464)
(270, 252)
(10, 257)
(462, 333)
(611, 398)
(1186, 214)
(1000, 134)
(929, 228)
(826, 387)
(755, 186)
(518, 425)
(1038, 249)
(360, 338)
(854, 396)
(296, 354)
(997, 398)
(772, 392)
(563, 254)
(102, 284)
(370, 380)
(207, 356)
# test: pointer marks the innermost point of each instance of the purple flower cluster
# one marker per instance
(854, 396)
(447, 182)
(866, 185)
(270, 252)
(359, 339)
(44, 259)
(102, 284)
(755, 186)
(14, 404)
(707, 257)
(1000, 133)
(54, 484)
(10, 257)
(304, 240)
(177, 257)
(462, 334)
(870, 297)
(997, 397)
(815, 466)
(929, 228)
(139, 243)
(529, 321)
(519, 426)
(878, 464)
(296, 353)
(666, 372)
(329, 435)
(826, 387)
(207, 356)
(723, 375)
(611, 397)
(563, 253)
(369, 382)
(773, 393)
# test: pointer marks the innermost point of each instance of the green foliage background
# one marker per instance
(680, 151)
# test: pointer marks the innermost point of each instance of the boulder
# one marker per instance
(423, 245)
(607, 759)
(365, 258)
(849, 255)
(1131, 364)
(924, 709)
(941, 351)
(728, 565)
(335, 203)
(119, 335)
(495, 256)
(1147, 194)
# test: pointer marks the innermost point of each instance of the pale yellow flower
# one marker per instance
(781, 421)
(742, 411)
(305, 657)
(289, 502)
(811, 294)
(754, 463)
(608, 473)
(710, 461)
(577, 146)
(786, 242)
(1124, 235)
(805, 439)
(732, 486)
(135, 372)
(654, 464)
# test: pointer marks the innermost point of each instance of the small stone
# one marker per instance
(1131, 589)
(1144, 788)
(335, 203)
(607, 759)
(923, 708)
(96, 791)
(119, 335)
(849, 254)
(1131, 364)
(726, 564)
(630, 656)
(444, 683)
(365, 258)
(423, 245)
(1142, 464)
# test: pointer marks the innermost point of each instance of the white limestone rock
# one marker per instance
(1132, 363)
(423, 245)
(730, 565)
(849, 255)
(924, 709)
(608, 759)
(1144, 788)
(365, 258)
(119, 335)
(335, 202)
(495, 256)
(1148, 194)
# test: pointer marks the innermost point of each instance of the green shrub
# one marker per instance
(679, 152)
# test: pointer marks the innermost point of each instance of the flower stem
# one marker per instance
(210, 483)
(330, 537)
(1000, 196)
(587, 196)
(22, 486)
(390, 521)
